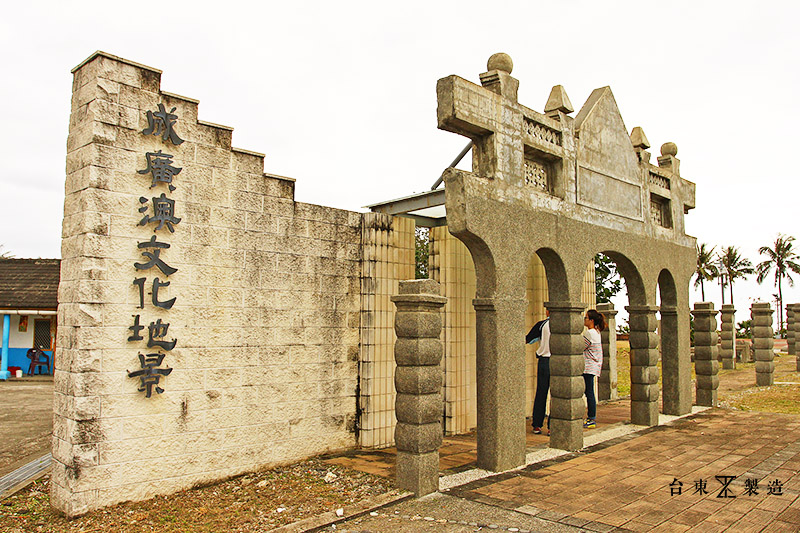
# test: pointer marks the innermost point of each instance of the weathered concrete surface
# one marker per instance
(763, 341)
(727, 335)
(26, 421)
(607, 383)
(565, 189)
(706, 353)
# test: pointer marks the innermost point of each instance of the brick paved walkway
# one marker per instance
(624, 483)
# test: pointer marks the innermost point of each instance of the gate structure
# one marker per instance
(564, 189)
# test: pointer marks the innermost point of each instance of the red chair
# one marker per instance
(38, 359)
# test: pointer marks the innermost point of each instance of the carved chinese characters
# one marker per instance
(159, 213)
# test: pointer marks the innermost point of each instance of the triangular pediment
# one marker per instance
(609, 178)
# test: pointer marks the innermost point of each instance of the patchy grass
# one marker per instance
(255, 502)
(775, 399)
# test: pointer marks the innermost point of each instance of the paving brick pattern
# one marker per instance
(625, 482)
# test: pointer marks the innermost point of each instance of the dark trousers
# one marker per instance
(542, 386)
(591, 403)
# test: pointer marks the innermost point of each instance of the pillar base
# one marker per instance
(566, 434)
(728, 363)
(5, 374)
(765, 379)
(644, 413)
(418, 472)
(707, 398)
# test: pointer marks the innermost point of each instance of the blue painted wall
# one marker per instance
(17, 357)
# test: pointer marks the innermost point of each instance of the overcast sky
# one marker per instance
(342, 95)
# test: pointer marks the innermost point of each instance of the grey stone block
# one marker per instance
(707, 381)
(566, 386)
(642, 321)
(644, 392)
(644, 413)
(765, 379)
(705, 353)
(418, 352)
(565, 344)
(644, 374)
(418, 408)
(643, 340)
(418, 379)
(762, 332)
(566, 434)
(414, 438)
(418, 324)
(566, 365)
(418, 473)
(761, 320)
(705, 338)
(707, 367)
(644, 357)
(567, 409)
(707, 397)
(765, 367)
(763, 343)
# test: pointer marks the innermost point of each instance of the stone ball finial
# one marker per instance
(500, 61)
(669, 148)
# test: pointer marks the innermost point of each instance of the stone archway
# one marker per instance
(573, 187)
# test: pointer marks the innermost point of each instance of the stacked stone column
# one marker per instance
(644, 361)
(727, 335)
(566, 370)
(418, 382)
(706, 365)
(761, 314)
(796, 336)
(607, 383)
(791, 318)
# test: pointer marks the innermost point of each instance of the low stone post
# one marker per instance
(706, 365)
(607, 383)
(567, 409)
(418, 382)
(644, 364)
(763, 341)
(727, 335)
(796, 329)
(791, 317)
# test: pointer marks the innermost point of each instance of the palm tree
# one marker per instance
(783, 259)
(734, 265)
(721, 275)
(706, 271)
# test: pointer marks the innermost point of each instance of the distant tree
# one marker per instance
(743, 329)
(607, 282)
(5, 254)
(705, 271)
(783, 260)
(421, 252)
(734, 265)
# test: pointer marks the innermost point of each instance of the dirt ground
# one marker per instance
(26, 421)
(255, 502)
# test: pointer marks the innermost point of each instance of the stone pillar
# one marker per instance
(706, 365)
(644, 364)
(763, 341)
(607, 383)
(418, 382)
(791, 317)
(566, 370)
(796, 329)
(727, 335)
(500, 373)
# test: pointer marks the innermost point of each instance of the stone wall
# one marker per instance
(267, 302)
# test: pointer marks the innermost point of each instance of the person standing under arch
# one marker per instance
(541, 332)
(595, 322)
